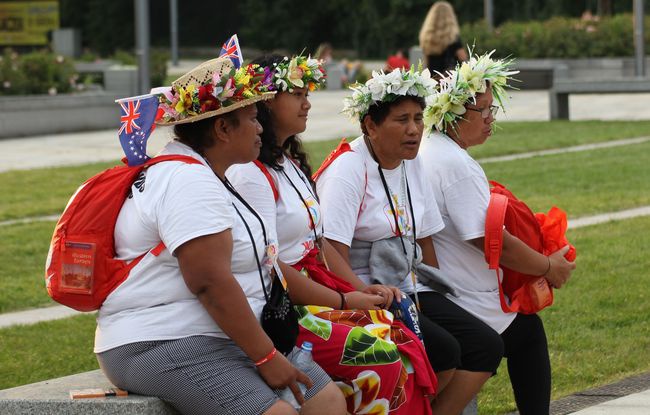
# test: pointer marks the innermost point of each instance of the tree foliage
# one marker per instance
(367, 28)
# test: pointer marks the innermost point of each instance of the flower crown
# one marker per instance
(460, 86)
(386, 87)
(215, 93)
(299, 72)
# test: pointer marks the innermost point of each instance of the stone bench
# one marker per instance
(562, 88)
(53, 397)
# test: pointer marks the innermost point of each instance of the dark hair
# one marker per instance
(271, 151)
(199, 134)
(379, 111)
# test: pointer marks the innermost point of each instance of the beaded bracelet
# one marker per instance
(266, 358)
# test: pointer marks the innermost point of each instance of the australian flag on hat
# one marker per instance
(137, 117)
(231, 50)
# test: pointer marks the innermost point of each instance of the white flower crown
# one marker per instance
(460, 86)
(386, 87)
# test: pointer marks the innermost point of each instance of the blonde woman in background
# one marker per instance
(440, 38)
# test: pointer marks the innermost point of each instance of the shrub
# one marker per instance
(36, 73)
(557, 37)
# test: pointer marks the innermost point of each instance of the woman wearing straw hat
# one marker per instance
(278, 185)
(380, 217)
(185, 325)
(461, 113)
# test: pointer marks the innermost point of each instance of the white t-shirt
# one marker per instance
(176, 202)
(355, 205)
(462, 192)
(288, 215)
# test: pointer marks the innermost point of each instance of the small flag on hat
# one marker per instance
(137, 115)
(231, 50)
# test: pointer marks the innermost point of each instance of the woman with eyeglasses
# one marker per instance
(380, 215)
(462, 112)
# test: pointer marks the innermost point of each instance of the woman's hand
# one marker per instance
(279, 373)
(387, 292)
(364, 301)
(559, 269)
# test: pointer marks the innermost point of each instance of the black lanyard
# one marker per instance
(234, 192)
(302, 199)
(390, 199)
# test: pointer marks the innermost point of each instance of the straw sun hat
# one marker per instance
(214, 87)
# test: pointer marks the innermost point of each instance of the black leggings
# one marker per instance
(528, 364)
(455, 339)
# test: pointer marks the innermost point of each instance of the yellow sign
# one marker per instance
(27, 22)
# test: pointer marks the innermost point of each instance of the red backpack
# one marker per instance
(528, 294)
(81, 269)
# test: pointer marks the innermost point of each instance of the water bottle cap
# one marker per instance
(308, 346)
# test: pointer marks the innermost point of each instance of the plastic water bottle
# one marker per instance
(302, 360)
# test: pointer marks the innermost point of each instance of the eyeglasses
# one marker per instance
(485, 112)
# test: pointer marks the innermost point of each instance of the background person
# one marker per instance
(377, 193)
(350, 69)
(440, 38)
(299, 220)
(462, 192)
(194, 309)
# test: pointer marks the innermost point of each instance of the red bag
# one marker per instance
(528, 294)
(81, 269)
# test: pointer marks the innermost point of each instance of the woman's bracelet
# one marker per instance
(344, 303)
(266, 358)
(548, 268)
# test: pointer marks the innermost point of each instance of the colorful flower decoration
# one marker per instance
(361, 394)
(460, 86)
(219, 91)
(298, 72)
(386, 87)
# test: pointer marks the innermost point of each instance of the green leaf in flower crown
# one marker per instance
(320, 327)
(362, 349)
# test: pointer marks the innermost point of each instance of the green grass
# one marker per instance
(37, 192)
(22, 259)
(46, 191)
(581, 183)
(598, 329)
(46, 350)
(522, 137)
(581, 189)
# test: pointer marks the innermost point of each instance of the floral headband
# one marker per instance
(386, 87)
(299, 72)
(214, 88)
(460, 86)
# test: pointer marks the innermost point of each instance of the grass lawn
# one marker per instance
(46, 191)
(521, 137)
(23, 253)
(582, 189)
(582, 183)
(598, 329)
(47, 350)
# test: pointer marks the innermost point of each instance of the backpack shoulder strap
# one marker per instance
(493, 240)
(494, 220)
(264, 170)
(343, 147)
